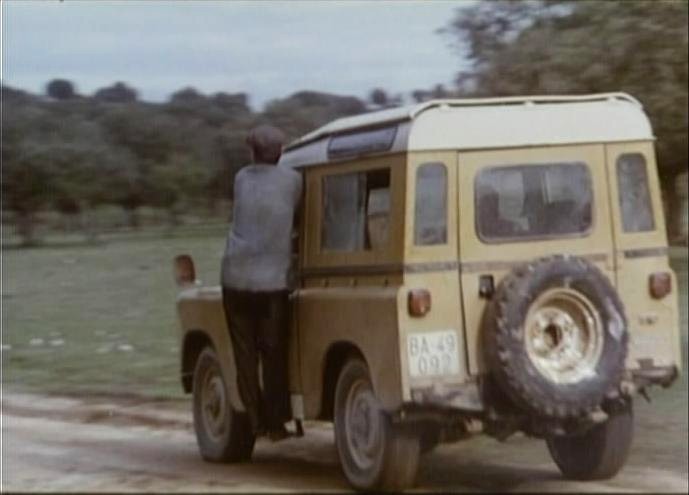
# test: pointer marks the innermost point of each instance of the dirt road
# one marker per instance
(67, 444)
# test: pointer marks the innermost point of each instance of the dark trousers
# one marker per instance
(259, 328)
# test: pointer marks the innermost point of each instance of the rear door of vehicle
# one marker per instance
(486, 259)
(641, 250)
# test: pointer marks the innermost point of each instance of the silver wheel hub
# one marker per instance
(214, 404)
(563, 335)
(362, 425)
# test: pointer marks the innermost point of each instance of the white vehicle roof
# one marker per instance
(479, 123)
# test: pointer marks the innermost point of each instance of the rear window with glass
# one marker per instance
(634, 196)
(531, 201)
(356, 143)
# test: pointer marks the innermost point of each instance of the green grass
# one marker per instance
(97, 300)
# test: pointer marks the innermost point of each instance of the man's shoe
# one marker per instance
(278, 433)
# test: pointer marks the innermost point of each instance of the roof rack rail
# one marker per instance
(398, 114)
(513, 100)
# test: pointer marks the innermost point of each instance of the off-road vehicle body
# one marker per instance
(484, 265)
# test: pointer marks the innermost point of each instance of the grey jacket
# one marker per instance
(258, 251)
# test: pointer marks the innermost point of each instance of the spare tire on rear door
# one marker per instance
(555, 337)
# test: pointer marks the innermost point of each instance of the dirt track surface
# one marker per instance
(67, 444)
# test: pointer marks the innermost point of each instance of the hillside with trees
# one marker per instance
(72, 153)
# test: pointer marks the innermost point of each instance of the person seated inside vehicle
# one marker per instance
(492, 223)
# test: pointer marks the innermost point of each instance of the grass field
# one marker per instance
(102, 318)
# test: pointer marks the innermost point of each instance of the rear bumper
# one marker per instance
(465, 397)
(469, 398)
(654, 375)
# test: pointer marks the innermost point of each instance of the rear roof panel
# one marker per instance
(485, 123)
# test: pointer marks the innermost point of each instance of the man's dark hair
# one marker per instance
(266, 143)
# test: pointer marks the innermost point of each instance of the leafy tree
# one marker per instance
(231, 154)
(379, 96)
(60, 89)
(117, 93)
(538, 46)
(306, 110)
(437, 92)
(148, 138)
(72, 154)
(13, 95)
(24, 191)
(237, 103)
(420, 95)
(26, 164)
(187, 96)
(174, 183)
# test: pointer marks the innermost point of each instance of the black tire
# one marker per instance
(600, 452)
(429, 437)
(232, 440)
(394, 449)
(505, 337)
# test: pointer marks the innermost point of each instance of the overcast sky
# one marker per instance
(267, 49)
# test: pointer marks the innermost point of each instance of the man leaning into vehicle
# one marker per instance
(255, 279)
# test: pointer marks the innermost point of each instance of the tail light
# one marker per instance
(185, 273)
(419, 302)
(660, 284)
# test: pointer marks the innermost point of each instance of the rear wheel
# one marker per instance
(374, 453)
(222, 433)
(429, 437)
(601, 451)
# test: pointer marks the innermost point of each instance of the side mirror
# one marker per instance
(185, 273)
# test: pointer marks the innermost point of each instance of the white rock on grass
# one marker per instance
(5, 347)
(104, 349)
(36, 341)
(57, 342)
(125, 347)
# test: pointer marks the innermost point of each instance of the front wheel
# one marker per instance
(601, 451)
(223, 434)
(375, 454)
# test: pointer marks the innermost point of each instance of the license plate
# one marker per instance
(433, 353)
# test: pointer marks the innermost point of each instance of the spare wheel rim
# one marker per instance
(564, 336)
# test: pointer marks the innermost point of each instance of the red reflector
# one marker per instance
(185, 273)
(419, 302)
(660, 284)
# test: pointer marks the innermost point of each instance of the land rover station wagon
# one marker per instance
(470, 266)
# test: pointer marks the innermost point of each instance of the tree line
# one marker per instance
(72, 152)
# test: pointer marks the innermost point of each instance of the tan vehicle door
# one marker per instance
(641, 250)
(485, 258)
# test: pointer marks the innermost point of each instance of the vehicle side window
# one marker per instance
(430, 210)
(356, 211)
(634, 196)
